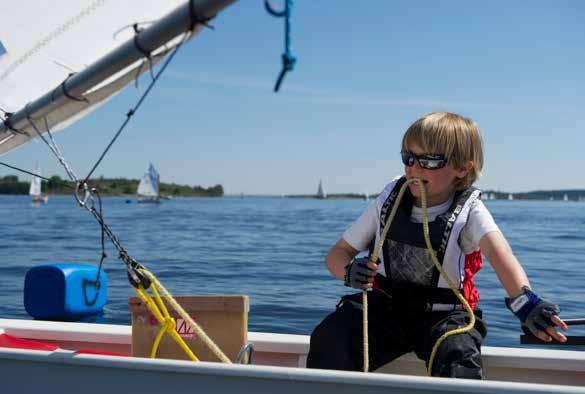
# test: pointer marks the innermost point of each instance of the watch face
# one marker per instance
(518, 303)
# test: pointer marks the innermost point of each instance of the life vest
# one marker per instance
(406, 273)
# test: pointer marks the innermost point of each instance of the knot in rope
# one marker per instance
(288, 59)
(169, 324)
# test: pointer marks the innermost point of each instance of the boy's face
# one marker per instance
(439, 182)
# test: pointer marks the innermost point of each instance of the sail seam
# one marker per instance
(53, 35)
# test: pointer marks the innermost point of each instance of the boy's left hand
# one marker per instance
(539, 316)
(546, 314)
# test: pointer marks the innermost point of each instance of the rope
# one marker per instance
(288, 59)
(66, 93)
(167, 324)
(376, 255)
(161, 313)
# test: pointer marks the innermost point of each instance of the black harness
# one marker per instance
(402, 230)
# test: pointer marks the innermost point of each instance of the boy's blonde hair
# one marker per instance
(452, 135)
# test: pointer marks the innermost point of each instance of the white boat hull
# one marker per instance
(278, 367)
(44, 199)
(148, 200)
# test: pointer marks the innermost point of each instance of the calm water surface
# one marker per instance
(271, 249)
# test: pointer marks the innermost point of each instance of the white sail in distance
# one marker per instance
(320, 191)
(35, 183)
(76, 55)
(149, 184)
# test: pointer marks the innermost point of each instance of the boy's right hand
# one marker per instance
(360, 273)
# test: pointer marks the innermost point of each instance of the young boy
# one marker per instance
(411, 305)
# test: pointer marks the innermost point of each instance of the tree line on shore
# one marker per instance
(10, 184)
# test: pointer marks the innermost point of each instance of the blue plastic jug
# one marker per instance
(64, 291)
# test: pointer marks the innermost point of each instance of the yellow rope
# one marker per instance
(167, 326)
(365, 331)
(159, 309)
(376, 255)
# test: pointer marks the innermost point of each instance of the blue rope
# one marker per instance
(288, 59)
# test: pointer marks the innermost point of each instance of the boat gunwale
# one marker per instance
(551, 359)
(264, 372)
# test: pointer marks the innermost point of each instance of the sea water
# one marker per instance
(271, 249)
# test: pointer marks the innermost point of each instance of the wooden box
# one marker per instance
(224, 318)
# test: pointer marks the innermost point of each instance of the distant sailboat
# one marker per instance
(320, 191)
(148, 188)
(510, 197)
(366, 196)
(565, 197)
(35, 188)
(492, 196)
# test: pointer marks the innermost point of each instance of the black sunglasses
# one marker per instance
(426, 161)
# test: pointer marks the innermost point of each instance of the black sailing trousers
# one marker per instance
(337, 342)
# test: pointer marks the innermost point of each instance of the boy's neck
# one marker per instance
(432, 203)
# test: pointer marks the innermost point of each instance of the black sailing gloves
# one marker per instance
(357, 273)
(534, 312)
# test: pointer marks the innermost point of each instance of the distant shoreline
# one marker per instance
(544, 195)
(122, 187)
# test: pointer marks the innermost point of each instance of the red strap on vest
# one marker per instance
(473, 262)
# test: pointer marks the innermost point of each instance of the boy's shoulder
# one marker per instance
(478, 210)
(388, 189)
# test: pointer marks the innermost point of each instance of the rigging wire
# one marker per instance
(102, 239)
(52, 145)
(138, 276)
(84, 194)
(137, 106)
(24, 171)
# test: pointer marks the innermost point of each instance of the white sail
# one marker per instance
(91, 39)
(149, 184)
(35, 183)
(320, 191)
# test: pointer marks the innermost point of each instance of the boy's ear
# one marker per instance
(465, 170)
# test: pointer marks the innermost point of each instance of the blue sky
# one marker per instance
(365, 72)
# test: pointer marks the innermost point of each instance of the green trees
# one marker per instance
(10, 184)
